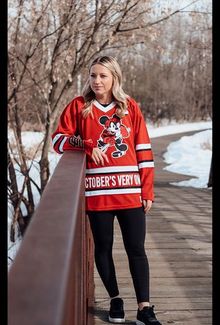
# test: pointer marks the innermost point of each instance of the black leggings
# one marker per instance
(133, 227)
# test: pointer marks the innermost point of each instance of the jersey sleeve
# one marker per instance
(144, 154)
(67, 136)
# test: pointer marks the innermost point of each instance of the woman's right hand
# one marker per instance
(99, 157)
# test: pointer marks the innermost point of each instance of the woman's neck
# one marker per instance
(104, 100)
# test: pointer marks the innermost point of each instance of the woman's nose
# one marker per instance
(96, 80)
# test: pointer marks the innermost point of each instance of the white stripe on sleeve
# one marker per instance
(62, 144)
(146, 164)
(143, 146)
(56, 138)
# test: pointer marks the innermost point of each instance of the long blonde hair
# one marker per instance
(119, 96)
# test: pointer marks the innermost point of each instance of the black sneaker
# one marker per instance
(146, 316)
(116, 312)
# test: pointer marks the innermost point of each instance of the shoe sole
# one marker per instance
(138, 322)
(116, 320)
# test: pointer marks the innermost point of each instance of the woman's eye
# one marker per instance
(101, 76)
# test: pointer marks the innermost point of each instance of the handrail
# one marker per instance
(51, 279)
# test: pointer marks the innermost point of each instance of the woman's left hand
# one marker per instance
(147, 204)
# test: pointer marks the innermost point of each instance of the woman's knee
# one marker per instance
(102, 247)
(135, 251)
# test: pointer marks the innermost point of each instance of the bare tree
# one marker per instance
(171, 72)
(50, 44)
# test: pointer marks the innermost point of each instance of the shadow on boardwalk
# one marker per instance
(178, 246)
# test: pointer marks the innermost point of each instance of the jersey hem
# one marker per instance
(116, 208)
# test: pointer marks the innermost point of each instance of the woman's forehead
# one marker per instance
(98, 68)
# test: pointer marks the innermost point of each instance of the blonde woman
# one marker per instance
(108, 125)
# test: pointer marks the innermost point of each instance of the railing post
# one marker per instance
(90, 274)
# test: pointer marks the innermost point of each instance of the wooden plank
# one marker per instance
(199, 317)
(175, 303)
(176, 312)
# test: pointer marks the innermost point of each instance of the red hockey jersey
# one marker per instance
(128, 177)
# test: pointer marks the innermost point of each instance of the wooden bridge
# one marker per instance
(60, 276)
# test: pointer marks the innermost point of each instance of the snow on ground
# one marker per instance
(174, 128)
(190, 155)
(29, 139)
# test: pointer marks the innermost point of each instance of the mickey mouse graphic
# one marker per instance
(113, 134)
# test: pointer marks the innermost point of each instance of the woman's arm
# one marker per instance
(144, 155)
(66, 136)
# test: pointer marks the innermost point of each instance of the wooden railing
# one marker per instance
(51, 279)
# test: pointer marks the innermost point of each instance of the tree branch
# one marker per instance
(156, 21)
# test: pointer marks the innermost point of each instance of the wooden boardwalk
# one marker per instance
(179, 249)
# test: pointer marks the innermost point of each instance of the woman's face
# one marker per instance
(101, 81)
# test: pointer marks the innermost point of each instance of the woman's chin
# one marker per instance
(98, 92)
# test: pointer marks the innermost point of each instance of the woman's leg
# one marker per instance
(133, 227)
(101, 223)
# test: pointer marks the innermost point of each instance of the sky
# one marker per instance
(182, 156)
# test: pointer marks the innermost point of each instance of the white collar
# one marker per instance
(104, 108)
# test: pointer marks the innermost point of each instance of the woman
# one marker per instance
(109, 126)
